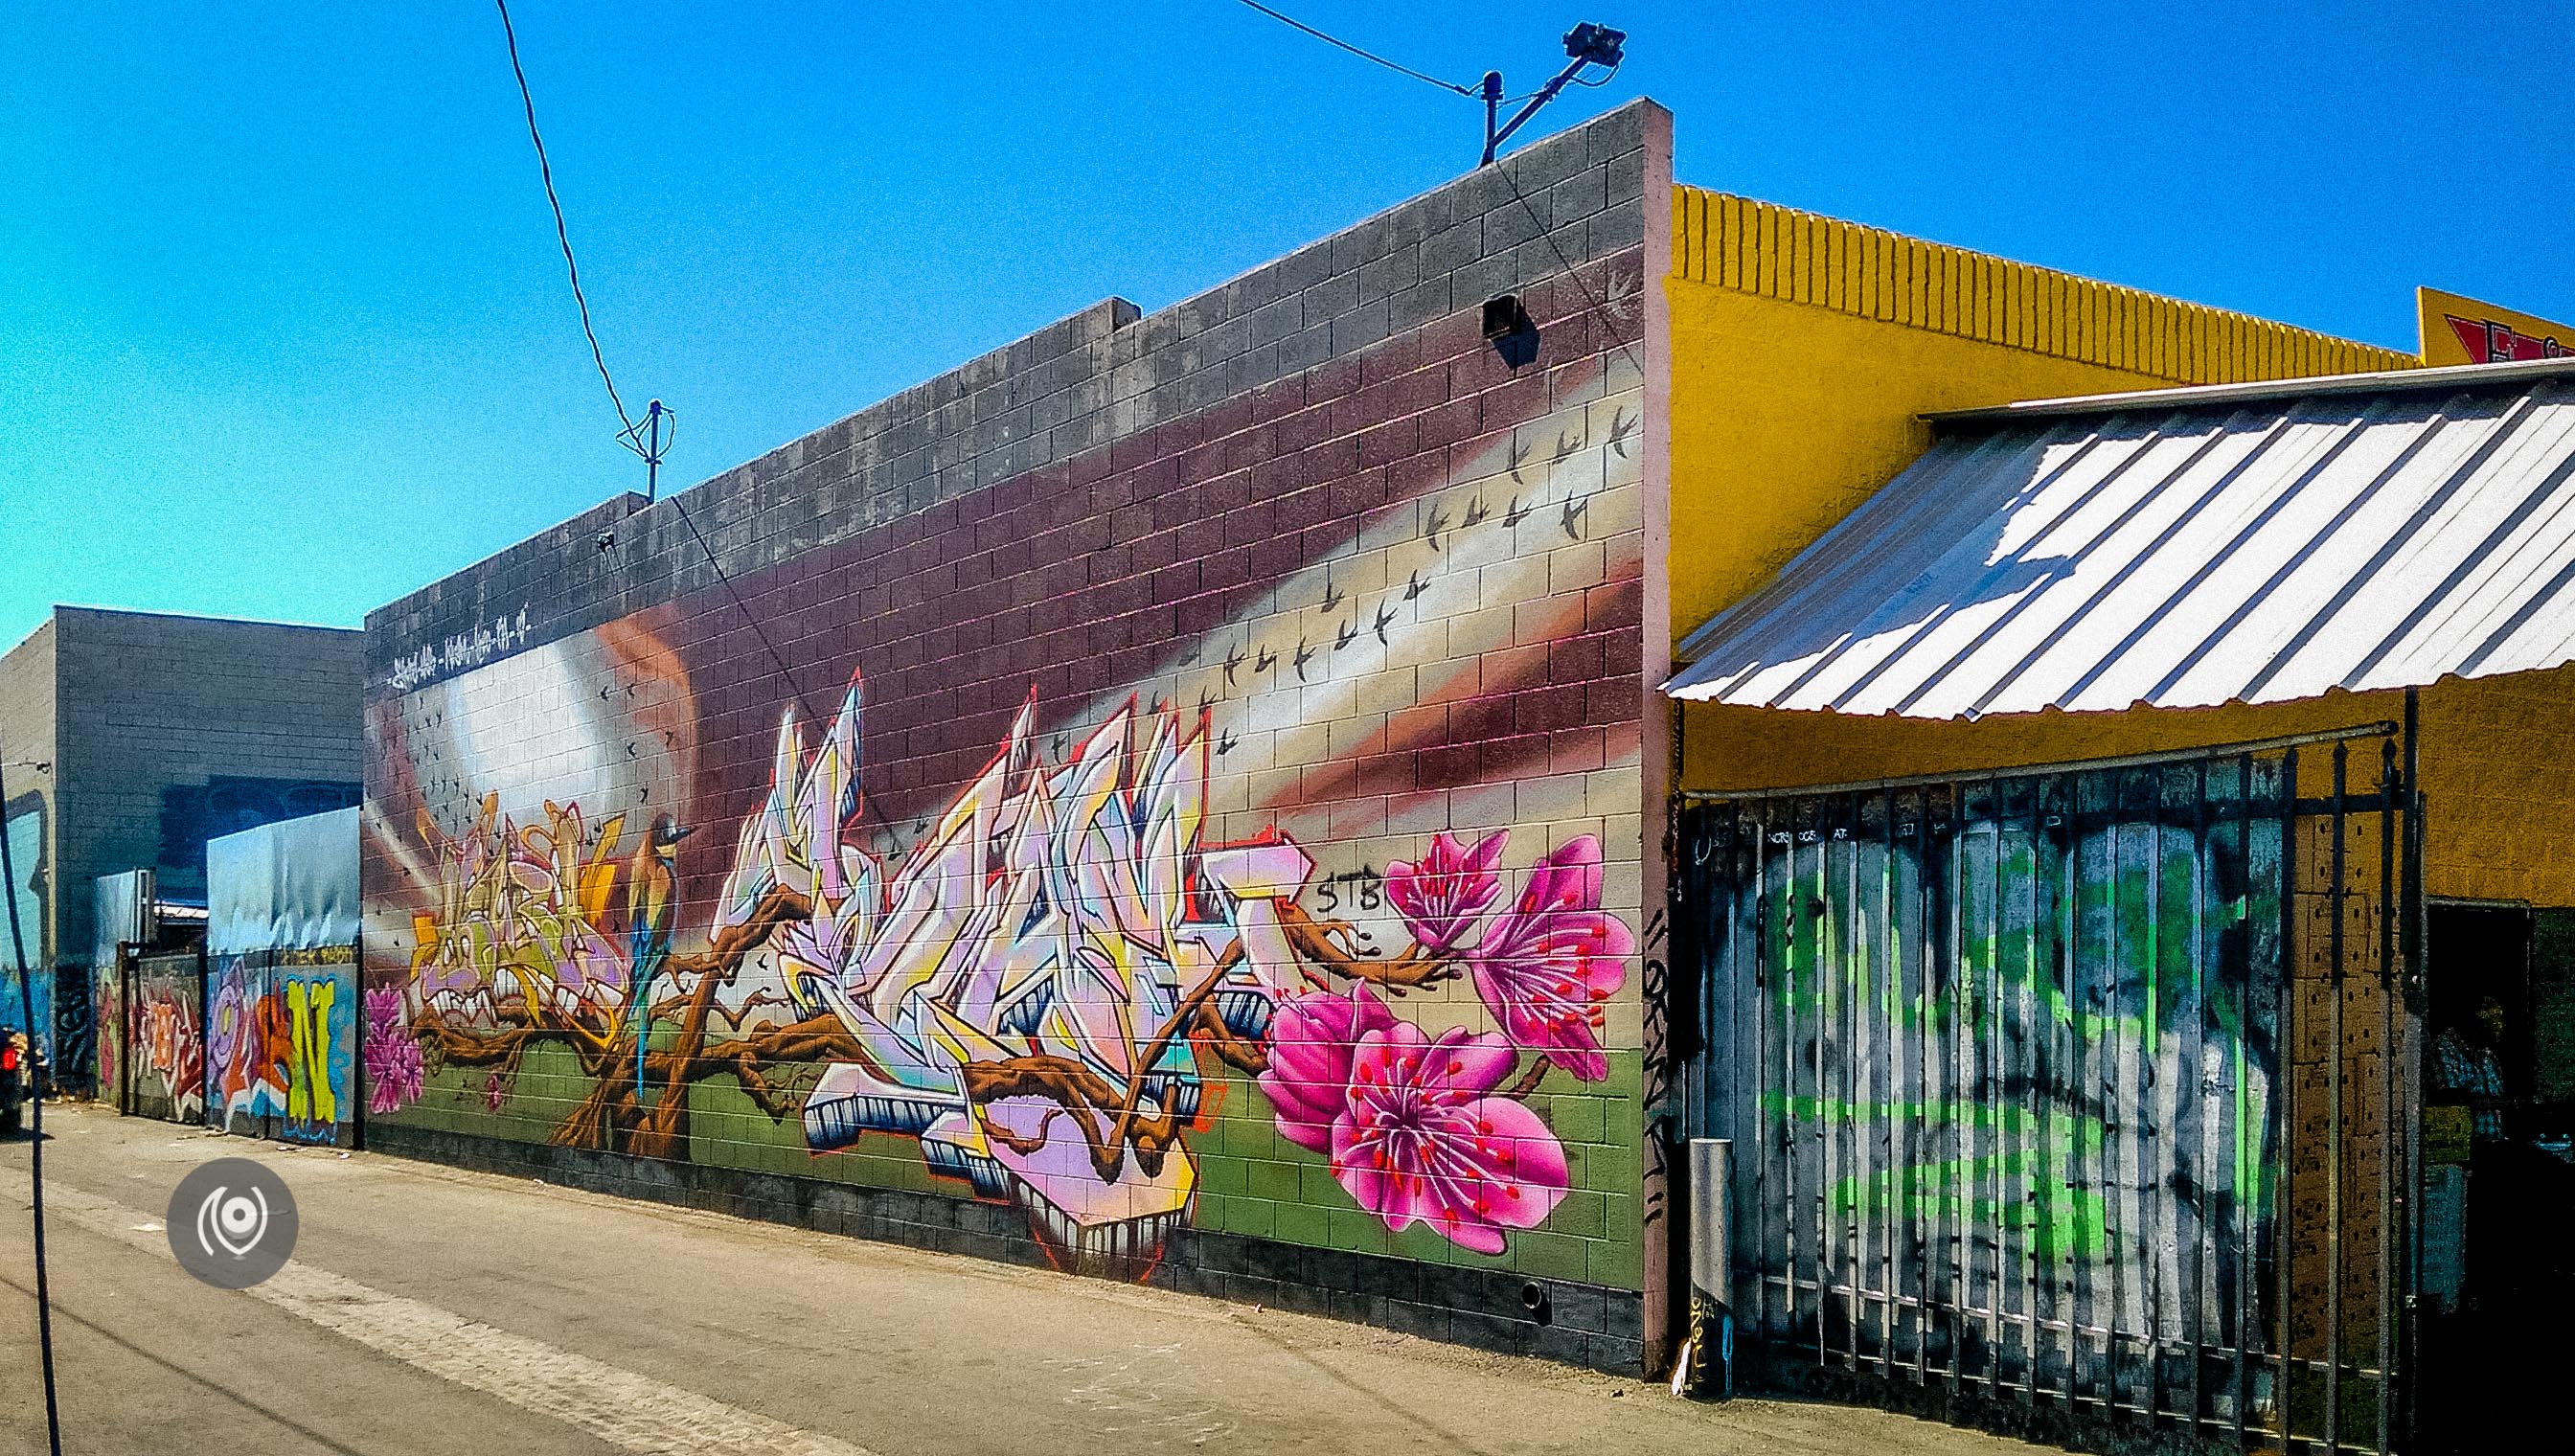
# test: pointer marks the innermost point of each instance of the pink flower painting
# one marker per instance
(1440, 895)
(393, 1071)
(1312, 1040)
(1548, 962)
(1423, 1139)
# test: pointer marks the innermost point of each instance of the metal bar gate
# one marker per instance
(2086, 1088)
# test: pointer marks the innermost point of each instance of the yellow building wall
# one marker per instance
(2498, 759)
(1805, 349)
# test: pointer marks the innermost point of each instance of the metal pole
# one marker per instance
(653, 453)
(2284, 1120)
(1711, 1366)
(35, 1126)
(2409, 934)
(1492, 115)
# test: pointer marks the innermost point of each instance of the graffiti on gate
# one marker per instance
(2038, 1068)
(172, 1046)
(113, 1054)
(279, 1035)
(1028, 995)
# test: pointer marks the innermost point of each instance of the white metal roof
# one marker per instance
(2183, 548)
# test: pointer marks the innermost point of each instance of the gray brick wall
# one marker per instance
(1101, 375)
(27, 737)
(154, 702)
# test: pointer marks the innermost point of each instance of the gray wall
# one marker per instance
(27, 736)
(1105, 373)
(152, 704)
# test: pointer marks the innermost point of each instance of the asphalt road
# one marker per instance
(431, 1310)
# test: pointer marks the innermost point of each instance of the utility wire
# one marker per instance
(1573, 274)
(546, 171)
(572, 268)
(1364, 55)
(34, 1075)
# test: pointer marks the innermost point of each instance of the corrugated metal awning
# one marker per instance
(2180, 549)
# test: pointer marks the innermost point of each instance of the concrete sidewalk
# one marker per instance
(433, 1311)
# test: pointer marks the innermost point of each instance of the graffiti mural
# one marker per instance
(1212, 840)
(165, 1039)
(75, 1048)
(1028, 992)
(107, 993)
(281, 1031)
(174, 1050)
(192, 814)
(25, 827)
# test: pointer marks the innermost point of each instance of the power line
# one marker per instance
(1333, 39)
(1572, 274)
(635, 437)
(33, 1072)
(546, 171)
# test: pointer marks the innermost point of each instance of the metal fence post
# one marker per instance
(1708, 1371)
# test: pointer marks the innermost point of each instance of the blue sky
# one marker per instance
(283, 331)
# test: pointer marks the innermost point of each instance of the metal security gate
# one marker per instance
(282, 1045)
(162, 1063)
(2068, 1089)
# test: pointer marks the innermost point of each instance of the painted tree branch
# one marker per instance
(611, 1113)
(1327, 943)
(1242, 1053)
(1087, 1096)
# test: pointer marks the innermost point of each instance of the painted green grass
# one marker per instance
(1251, 1180)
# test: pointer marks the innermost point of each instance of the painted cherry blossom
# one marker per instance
(392, 1057)
(1547, 963)
(1423, 1139)
(1440, 895)
(1312, 1040)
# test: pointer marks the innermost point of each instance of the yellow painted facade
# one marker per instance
(1805, 352)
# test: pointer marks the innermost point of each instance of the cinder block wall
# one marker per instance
(27, 738)
(174, 729)
(1164, 798)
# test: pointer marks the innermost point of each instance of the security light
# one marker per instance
(1597, 44)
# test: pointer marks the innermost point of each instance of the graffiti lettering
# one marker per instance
(307, 1011)
(460, 650)
(1027, 995)
(1658, 1068)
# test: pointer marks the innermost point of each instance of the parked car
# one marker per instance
(14, 1078)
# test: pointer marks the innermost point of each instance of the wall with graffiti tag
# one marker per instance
(282, 1045)
(282, 1053)
(1164, 798)
(164, 1056)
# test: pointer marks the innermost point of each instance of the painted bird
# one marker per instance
(652, 893)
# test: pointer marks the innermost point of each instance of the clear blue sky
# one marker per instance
(283, 331)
